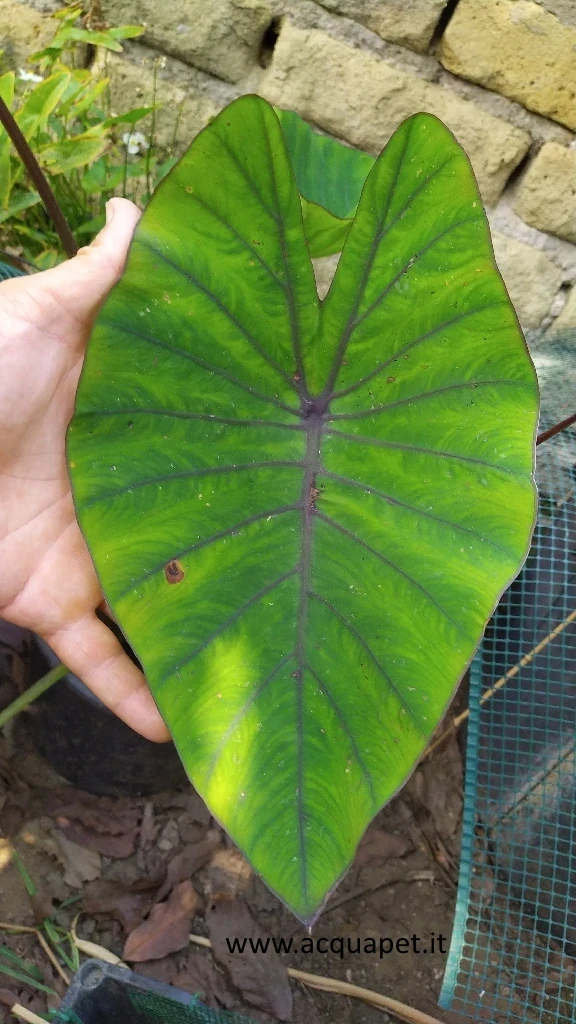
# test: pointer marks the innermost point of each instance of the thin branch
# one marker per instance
(17, 928)
(510, 674)
(552, 431)
(400, 1010)
(32, 693)
(39, 180)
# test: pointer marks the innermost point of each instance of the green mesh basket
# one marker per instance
(103, 994)
(514, 939)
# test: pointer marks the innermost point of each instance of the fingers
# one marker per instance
(81, 284)
(92, 652)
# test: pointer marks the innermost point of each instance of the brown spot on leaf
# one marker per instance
(391, 380)
(174, 571)
(314, 493)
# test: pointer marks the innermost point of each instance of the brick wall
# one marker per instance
(500, 73)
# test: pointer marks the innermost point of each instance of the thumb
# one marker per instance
(81, 284)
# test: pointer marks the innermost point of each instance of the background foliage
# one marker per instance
(88, 151)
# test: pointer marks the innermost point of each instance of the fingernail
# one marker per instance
(109, 211)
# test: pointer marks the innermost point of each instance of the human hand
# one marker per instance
(47, 581)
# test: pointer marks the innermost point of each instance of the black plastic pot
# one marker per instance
(88, 745)
(102, 994)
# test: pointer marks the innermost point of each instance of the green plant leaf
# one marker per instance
(91, 227)
(70, 34)
(7, 94)
(22, 970)
(49, 258)
(104, 176)
(125, 31)
(19, 202)
(71, 13)
(131, 116)
(303, 513)
(327, 172)
(40, 102)
(324, 232)
(84, 98)
(26, 966)
(76, 151)
(79, 78)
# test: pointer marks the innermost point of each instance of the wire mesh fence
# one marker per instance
(514, 941)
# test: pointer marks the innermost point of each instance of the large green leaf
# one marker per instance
(329, 176)
(327, 172)
(303, 514)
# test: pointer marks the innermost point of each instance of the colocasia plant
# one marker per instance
(302, 512)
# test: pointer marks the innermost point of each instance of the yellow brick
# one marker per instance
(355, 95)
(546, 198)
(517, 48)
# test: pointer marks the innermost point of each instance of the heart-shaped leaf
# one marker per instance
(303, 513)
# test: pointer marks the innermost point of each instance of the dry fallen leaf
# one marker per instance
(117, 846)
(166, 929)
(228, 873)
(129, 906)
(103, 824)
(436, 791)
(262, 979)
(80, 865)
(201, 976)
(189, 861)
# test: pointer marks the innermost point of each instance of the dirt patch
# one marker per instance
(133, 862)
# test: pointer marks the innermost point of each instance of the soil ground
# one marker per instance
(112, 858)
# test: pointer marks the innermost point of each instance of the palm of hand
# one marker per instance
(47, 581)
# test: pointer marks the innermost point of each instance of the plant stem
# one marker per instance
(552, 431)
(34, 691)
(152, 131)
(39, 180)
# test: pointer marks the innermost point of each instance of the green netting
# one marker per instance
(152, 1008)
(159, 1010)
(103, 994)
(514, 940)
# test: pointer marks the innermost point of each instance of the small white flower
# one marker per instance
(28, 76)
(135, 142)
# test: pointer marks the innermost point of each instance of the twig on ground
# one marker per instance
(344, 988)
(23, 1014)
(500, 683)
(93, 948)
(22, 928)
(419, 876)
